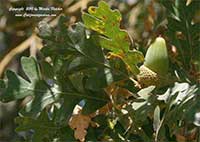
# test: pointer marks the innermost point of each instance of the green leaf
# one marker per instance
(145, 104)
(86, 46)
(45, 30)
(180, 93)
(42, 98)
(77, 81)
(132, 58)
(31, 68)
(42, 126)
(66, 134)
(156, 120)
(19, 88)
(182, 102)
(103, 79)
(107, 22)
(181, 20)
(80, 63)
(2, 84)
(47, 70)
(146, 92)
(79, 56)
(197, 119)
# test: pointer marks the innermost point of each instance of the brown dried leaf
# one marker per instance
(79, 123)
(125, 92)
(115, 90)
(102, 111)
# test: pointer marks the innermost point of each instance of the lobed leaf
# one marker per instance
(19, 88)
(107, 22)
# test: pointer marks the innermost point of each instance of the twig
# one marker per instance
(82, 4)
(26, 44)
(20, 48)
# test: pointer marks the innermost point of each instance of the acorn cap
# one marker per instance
(147, 77)
(156, 57)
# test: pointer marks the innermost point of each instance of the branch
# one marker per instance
(20, 48)
(82, 4)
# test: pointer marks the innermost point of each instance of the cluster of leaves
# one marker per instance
(91, 65)
(183, 33)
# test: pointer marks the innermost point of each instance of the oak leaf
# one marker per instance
(79, 123)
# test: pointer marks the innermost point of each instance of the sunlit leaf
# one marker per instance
(156, 120)
(107, 22)
(19, 88)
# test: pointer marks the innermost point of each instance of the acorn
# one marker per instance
(156, 58)
(154, 71)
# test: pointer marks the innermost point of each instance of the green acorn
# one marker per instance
(156, 65)
(156, 58)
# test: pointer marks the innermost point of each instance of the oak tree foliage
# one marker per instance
(91, 68)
